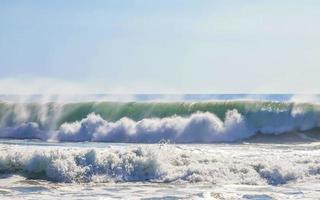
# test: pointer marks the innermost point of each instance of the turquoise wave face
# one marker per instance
(153, 121)
(113, 111)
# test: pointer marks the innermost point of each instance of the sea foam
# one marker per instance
(232, 164)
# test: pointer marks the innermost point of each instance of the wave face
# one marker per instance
(150, 122)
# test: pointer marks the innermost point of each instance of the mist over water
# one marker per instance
(157, 97)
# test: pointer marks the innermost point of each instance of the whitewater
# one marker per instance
(190, 147)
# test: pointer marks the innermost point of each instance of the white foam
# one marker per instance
(234, 164)
(199, 127)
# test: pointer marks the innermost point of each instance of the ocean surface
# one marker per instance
(191, 146)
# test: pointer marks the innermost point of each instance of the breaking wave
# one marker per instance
(181, 122)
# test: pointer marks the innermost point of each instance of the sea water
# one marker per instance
(196, 147)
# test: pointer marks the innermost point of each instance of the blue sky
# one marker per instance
(151, 46)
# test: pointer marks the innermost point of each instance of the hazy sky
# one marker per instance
(184, 46)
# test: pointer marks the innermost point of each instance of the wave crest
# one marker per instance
(199, 127)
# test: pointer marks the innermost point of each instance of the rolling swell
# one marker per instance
(150, 122)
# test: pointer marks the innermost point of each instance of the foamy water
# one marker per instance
(159, 149)
(34, 170)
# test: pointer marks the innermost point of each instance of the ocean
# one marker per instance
(190, 146)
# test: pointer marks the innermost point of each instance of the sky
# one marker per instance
(159, 46)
